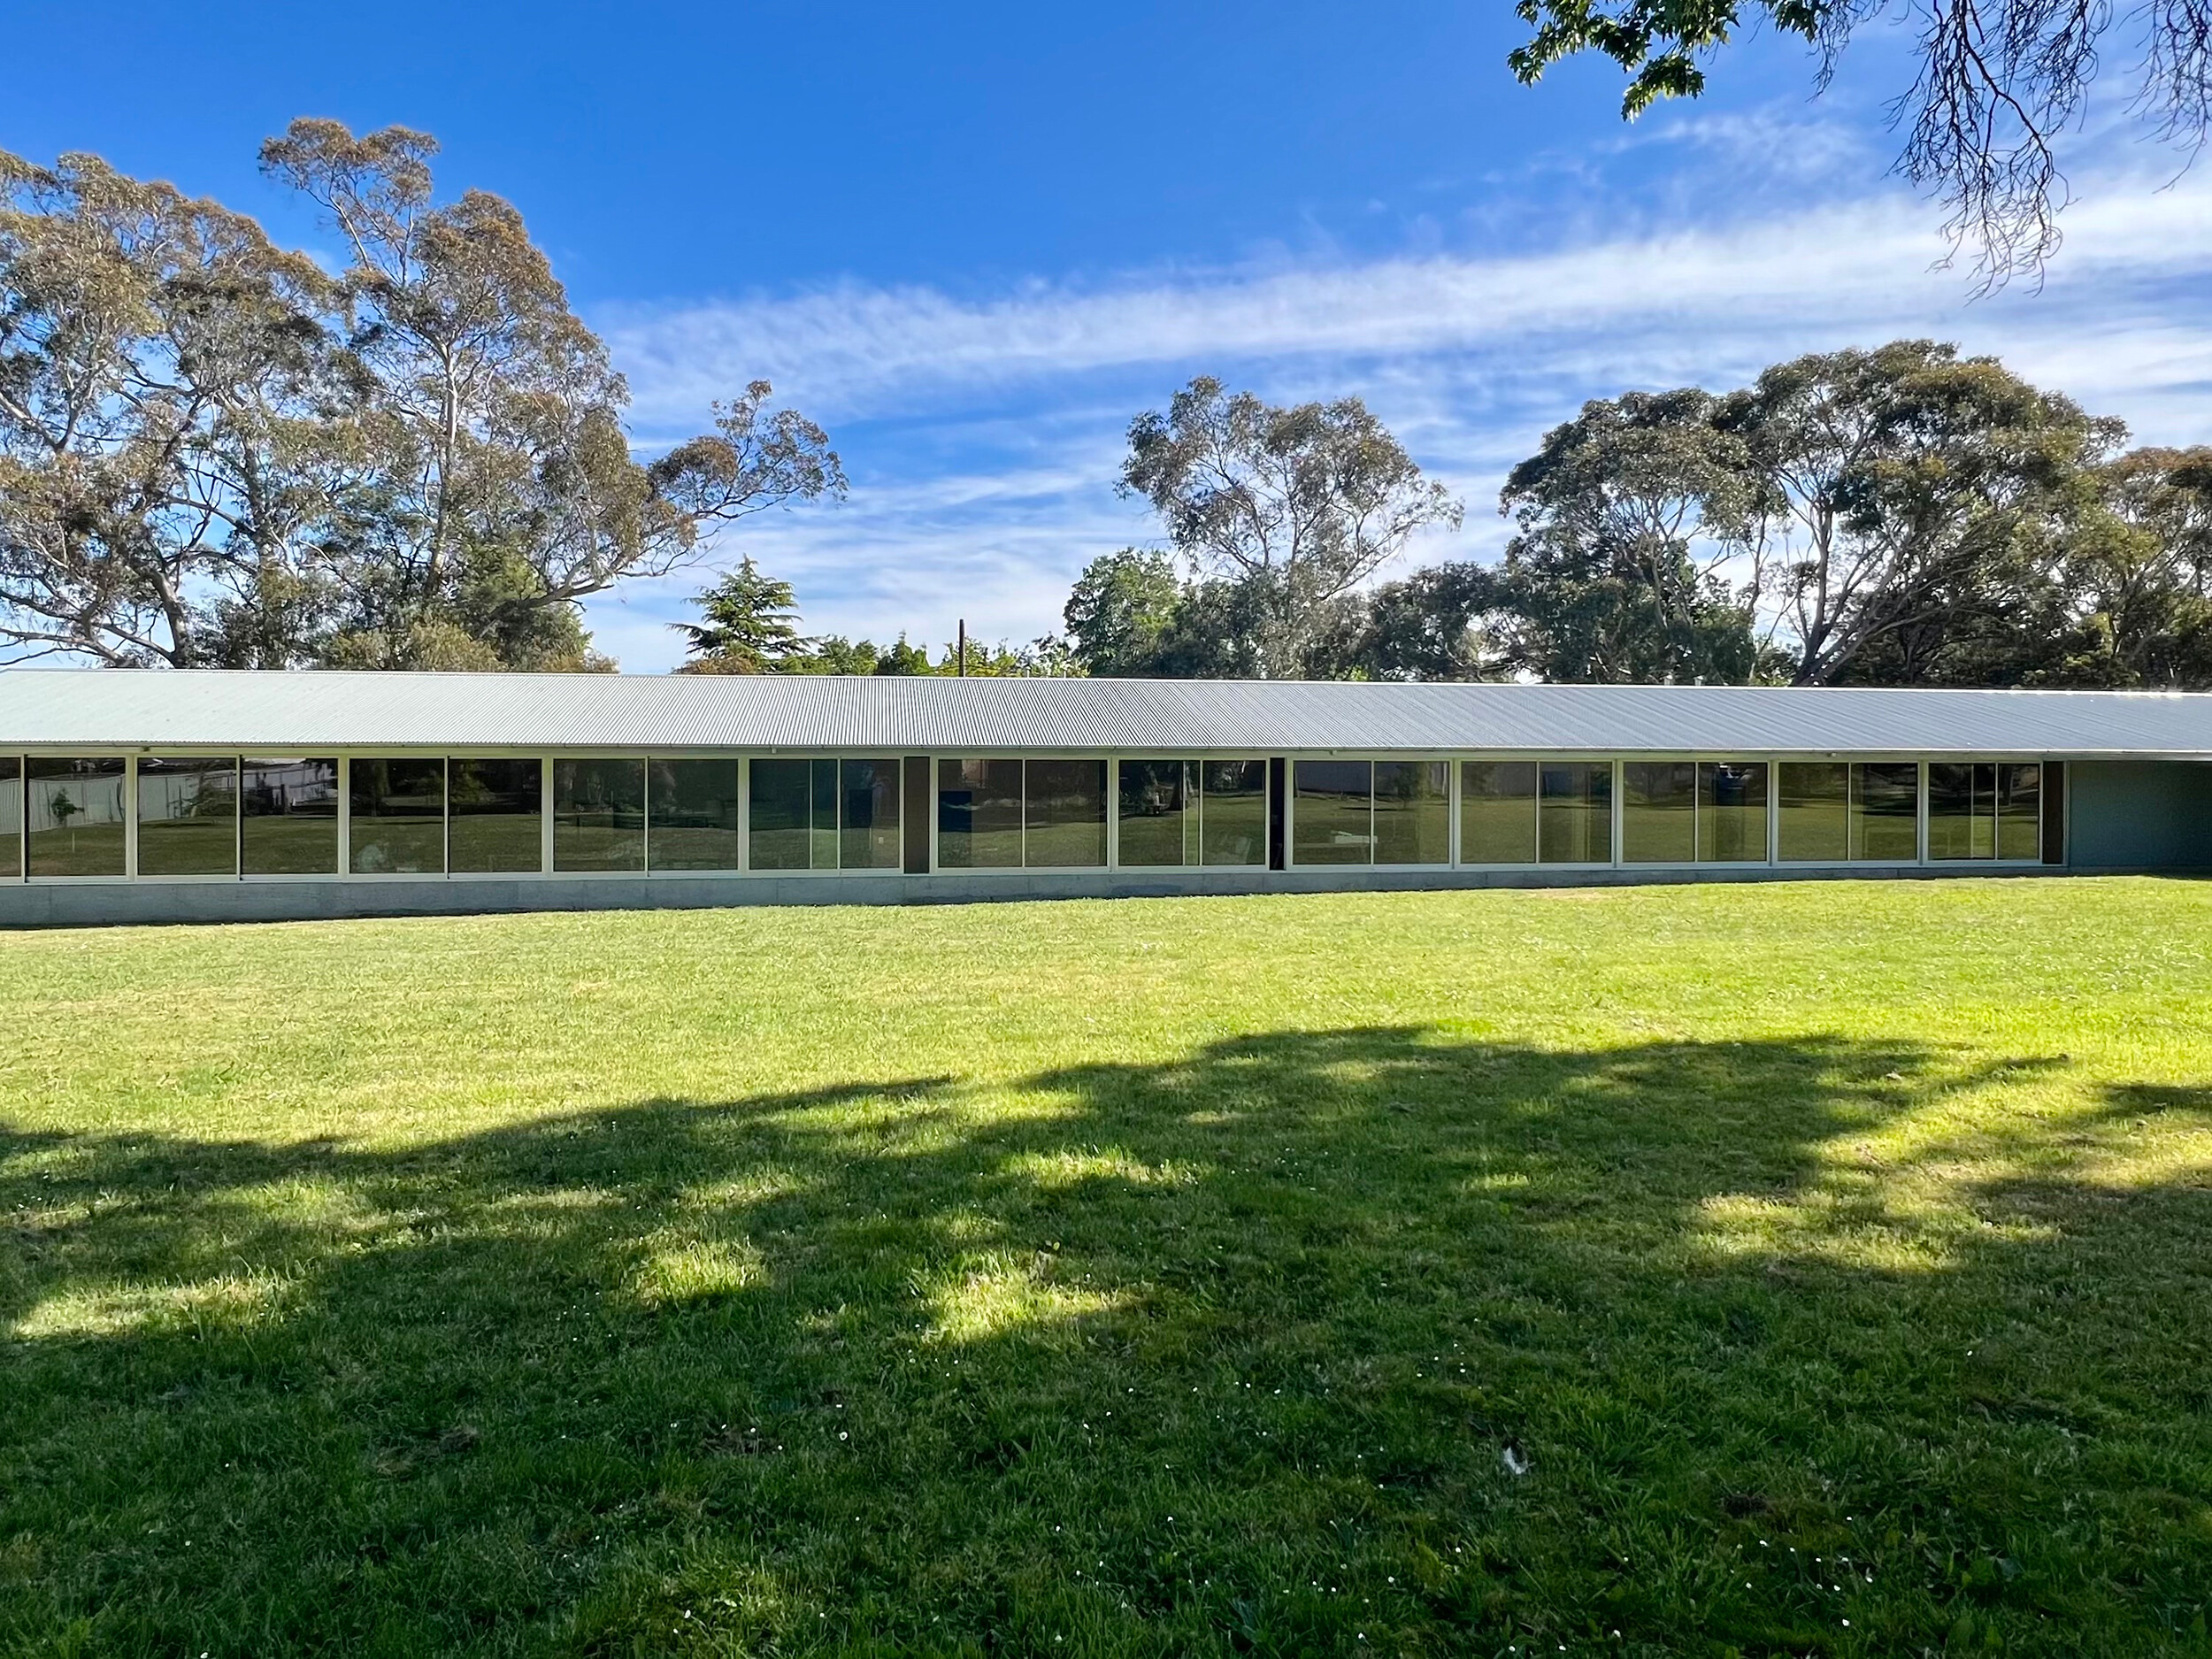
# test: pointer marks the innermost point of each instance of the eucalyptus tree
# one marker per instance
(497, 481)
(1634, 557)
(2140, 569)
(1293, 507)
(1912, 497)
(164, 380)
(212, 451)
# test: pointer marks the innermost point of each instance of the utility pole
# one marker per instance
(964, 647)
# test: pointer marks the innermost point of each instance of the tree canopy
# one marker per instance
(212, 451)
(1291, 507)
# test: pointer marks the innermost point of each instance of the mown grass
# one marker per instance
(1786, 1269)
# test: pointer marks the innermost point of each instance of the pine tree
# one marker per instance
(749, 626)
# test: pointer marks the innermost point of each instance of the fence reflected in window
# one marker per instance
(75, 811)
(188, 816)
(288, 817)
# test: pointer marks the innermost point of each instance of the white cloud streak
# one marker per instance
(1866, 265)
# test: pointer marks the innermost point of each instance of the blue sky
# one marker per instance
(975, 242)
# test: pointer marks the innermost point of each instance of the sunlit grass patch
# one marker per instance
(1002, 1297)
(236, 1302)
(695, 1269)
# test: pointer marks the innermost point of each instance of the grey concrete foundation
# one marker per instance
(103, 904)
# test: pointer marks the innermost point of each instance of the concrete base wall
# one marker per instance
(2140, 814)
(80, 904)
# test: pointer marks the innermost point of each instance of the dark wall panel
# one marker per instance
(2054, 811)
(918, 812)
(2140, 815)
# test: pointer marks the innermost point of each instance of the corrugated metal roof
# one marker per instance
(98, 709)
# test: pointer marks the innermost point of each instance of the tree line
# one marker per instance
(1899, 516)
(216, 452)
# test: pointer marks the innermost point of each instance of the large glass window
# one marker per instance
(694, 809)
(868, 814)
(75, 809)
(598, 815)
(1575, 823)
(1658, 811)
(289, 817)
(825, 815)
(1732, 812)
(1065, 814)
(2019, 809)
(1156, 810)
(1984, 810)
(10, 818)
(1413, 812)
(188, 816)
(1962, 809)
(1497, 812)
(1814, 805)
(1886, 811)
(1233, 811)
(1181, 812)
(395, 811)
(1333, 819)
(498, 816)
(978, 814)
(793, 819)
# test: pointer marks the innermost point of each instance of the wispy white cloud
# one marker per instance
(864, 351)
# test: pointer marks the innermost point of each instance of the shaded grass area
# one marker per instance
(1791, 1268)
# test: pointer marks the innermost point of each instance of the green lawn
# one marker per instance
(1786, 1269)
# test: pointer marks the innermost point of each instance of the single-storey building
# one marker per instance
(148, 795)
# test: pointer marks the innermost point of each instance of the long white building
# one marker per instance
(155, 795)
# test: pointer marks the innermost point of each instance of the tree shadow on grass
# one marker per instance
(1311, 1341)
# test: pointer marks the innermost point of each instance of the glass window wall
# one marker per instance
(395, 811)
(75, 811)
(188, 816)
(868, 814)
(792, 818)
(1886, 811)
(1814, 806)
(1732, 812)
(1065, 814)
(289, 817)
(1232, 812)
(598, 815)
(978, 814)
(1574, 822)
(1413, 812)
(693, 816)
(825, 815)
(2019, 810)
(10, 818)
(1984, 810)
(1184, 812)
(1157, 812)
(1497, 812)
(1333, 815)
(497, 816)
(1962, 809)
(1658, 811)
